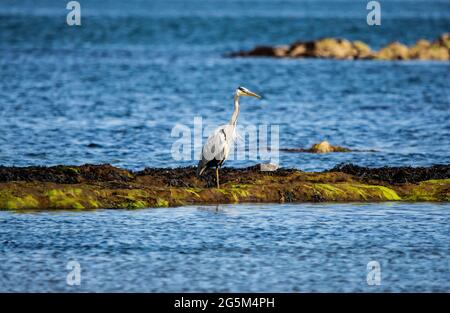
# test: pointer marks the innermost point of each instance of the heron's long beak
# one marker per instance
(252, 94)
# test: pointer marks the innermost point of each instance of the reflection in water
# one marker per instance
(220, 209)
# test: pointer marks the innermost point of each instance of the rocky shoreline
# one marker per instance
(104, 186)
(343, 49)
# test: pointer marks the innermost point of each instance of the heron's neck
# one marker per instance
(234, 117)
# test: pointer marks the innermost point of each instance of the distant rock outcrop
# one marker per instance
(343, 49)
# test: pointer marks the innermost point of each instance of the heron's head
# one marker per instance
(241, 91)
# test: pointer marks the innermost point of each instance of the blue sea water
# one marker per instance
(111, 91)
(258, 248)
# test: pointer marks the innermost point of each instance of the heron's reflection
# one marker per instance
(212, 209)
(220, 209)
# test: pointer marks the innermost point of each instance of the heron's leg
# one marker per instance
(217, 177)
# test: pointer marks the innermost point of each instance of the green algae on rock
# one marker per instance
(104, 186)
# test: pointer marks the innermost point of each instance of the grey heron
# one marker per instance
(217, 147)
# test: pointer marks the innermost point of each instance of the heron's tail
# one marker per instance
(201, 167)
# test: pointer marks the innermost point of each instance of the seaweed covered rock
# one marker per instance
(104, 186)
(395, 175)
(261, 51)
(65, 174)
(264, 51)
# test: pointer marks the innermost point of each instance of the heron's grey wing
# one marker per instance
(215, 147)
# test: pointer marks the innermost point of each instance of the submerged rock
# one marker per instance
(262, 51)
(343, 49)
(325, 147)
(321, 147)
(105, 186)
